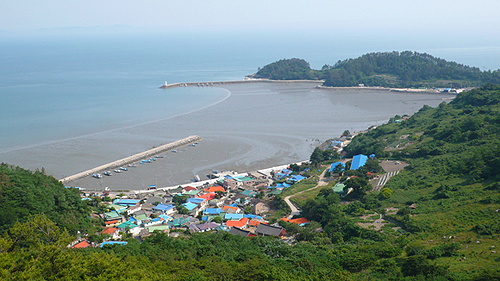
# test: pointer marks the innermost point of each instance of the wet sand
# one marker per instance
(260, 125)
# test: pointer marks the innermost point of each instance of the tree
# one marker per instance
(359, 186)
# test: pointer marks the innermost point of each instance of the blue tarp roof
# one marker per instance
(252, 216)
(190, 206)
(126, 202)
(235, 217)
(163, 207)
(296, 178)
(336, 164)
(234, 205)
(212, 211)
(113, 243)
(195, 200)
(358, 161)
(282, 185)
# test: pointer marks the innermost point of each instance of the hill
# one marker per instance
(388, 69)
(24, 193)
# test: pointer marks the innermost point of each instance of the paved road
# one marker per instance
(295, 210)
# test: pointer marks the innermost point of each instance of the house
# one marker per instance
(155, 200)
(204, 227)
(113, 232)
(234, 217)
(81, 245)
(230, 183)
(212, 211)
(113, 215)
(208, 196)
(112, 223)
(111, 243)
(127, 202)
(180, 222)
(295, 178)
(248, 193)
(231, 209)
(190, 206)
(134, 209)
(245, 180)
(155, 221)
(197, 201)
(258, 175)
(115, 207)
(268, 230)
(215, 189)
(164, 209)
(241, 232)
(191, 192)
(358, 161)
(188, 188)
(334, 165)
(299, 221)
(239, 223)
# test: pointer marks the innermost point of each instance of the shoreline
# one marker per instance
(263, 80)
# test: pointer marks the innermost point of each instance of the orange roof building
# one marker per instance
(110, 230)
(81, 245)
(296, 221)
(255, 223)
(240, 224)
(208, 196)
(229, 207)
(215, 188)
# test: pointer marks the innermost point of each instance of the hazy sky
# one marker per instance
(441, 16)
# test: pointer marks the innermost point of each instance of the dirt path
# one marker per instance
(295, 210)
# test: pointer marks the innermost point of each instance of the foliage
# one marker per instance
(24, 193)
(387, 69)
(287, 69)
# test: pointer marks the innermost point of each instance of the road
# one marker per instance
(295, 210)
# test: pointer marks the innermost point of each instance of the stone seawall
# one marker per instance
(133, 158)
(212, 83)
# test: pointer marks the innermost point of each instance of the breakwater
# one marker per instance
(127, 160)
(211, 83)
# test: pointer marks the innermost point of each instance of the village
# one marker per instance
(240, 204)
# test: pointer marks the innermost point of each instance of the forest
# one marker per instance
(384, 69)
(447, 203)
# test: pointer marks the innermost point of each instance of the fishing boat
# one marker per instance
(108, 173)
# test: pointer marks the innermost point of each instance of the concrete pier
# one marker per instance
(206, 84)
(133, 158)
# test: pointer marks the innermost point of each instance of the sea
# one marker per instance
(55, 88)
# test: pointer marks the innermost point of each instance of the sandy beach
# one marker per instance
(258, 126)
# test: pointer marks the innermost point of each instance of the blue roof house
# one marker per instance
(358, 161)
(190, 206)
(334, 165)
(164, 208)
(212, 211)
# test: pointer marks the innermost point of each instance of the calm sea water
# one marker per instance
(58, 88)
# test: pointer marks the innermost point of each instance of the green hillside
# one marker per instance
(385, 69)
(24, 193)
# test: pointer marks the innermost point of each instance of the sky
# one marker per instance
(437, 16)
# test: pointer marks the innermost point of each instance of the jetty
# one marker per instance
(127, 160)
(248, 80)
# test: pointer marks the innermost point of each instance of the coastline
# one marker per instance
(260, 124)
(264, 80)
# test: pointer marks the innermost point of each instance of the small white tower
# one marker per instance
(165, 83)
